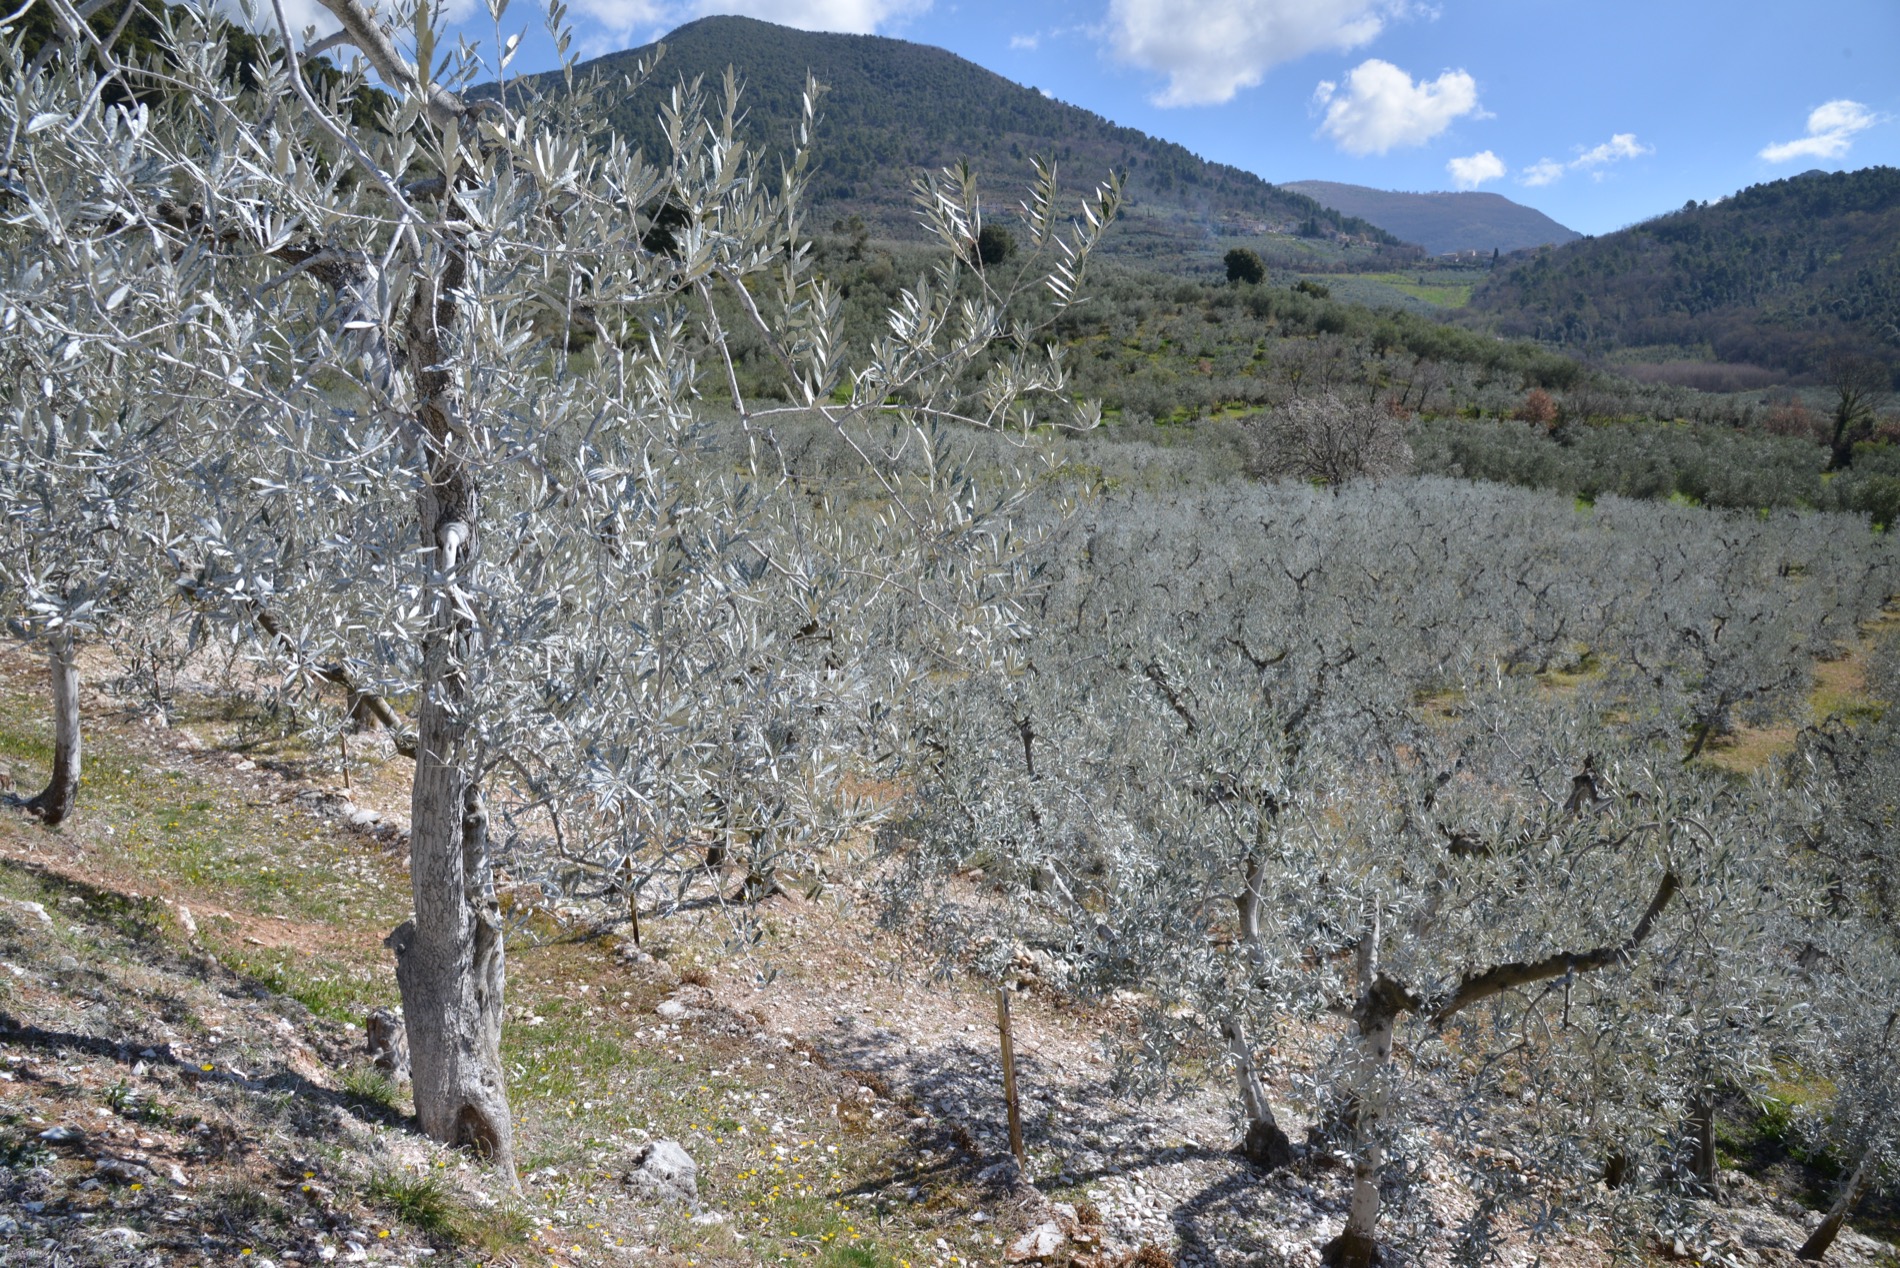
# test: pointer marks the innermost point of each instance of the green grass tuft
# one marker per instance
(424, 1203)
(373, 1087)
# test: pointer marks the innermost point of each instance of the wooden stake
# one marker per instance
(1009, 1081)
(343, 747)
(633, 902)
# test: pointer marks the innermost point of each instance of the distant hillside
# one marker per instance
(1442, 223)
(892, 108)
(139, 37)
(1776, 276)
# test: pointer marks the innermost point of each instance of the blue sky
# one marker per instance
(1597, 112)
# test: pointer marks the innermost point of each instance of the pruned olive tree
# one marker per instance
(73, 507)
(1850, 959)
(1862, 1124)
(464, 459)
(104, 335)
(1283, 762)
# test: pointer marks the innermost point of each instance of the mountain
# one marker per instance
(1780, 275)
(892, 108)
(1442, 223)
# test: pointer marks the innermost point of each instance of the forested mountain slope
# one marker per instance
(1779, 275)
(892, 108)
(1443, 222)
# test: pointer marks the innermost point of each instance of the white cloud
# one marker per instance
(1475, 169)
(1026, 43)
(857, 17)
(622, 16)
(1831, 129)
(1542, 172)
(1623, 145)
(1380, 107)
(302, 15)
(1211, 49)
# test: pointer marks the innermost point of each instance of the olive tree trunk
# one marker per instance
(1703, 1168)
(449, 959)
(1382, 1001)
(55, 801)
(1374, 1019)
(1265, 1143)
(1815, 1248)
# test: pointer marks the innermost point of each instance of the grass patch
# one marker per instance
(243, 1207)
(326, 987)
(497, 1233)
(1440, 294)
(372, 1088)
(423, 1203)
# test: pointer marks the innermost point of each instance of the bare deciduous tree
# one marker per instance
(1327, 439)
(1860, 385)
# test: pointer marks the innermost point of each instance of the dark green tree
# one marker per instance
(994, 245)
(1243, 265)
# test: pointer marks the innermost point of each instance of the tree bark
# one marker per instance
(1815, 1248)
(1702, 1165)
(1265, 1143)
(449, 959)
(55, 802)
(1247, 901)
(1474, 987)
(1375, 1018)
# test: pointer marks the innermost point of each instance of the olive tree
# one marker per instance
(108, 345)
(1850, 957)
(461, 455)
(1303, 775)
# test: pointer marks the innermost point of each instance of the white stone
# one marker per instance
(1039, 1242)
(665, 1170)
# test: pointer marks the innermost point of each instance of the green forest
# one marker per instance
(891, 109)
(1776, 276)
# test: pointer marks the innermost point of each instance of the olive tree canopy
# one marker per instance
(456, 384)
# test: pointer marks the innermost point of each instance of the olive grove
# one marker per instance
(1408, 778)
(1415, 766)
(442, 376)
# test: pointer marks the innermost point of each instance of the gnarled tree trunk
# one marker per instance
(55, 801)
(1374, 1018)
(449, 959)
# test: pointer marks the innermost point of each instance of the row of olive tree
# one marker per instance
(1285, 760)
